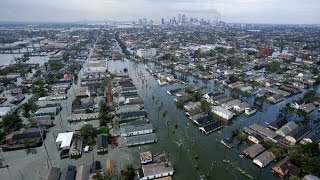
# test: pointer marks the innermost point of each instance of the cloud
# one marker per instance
(255, 11)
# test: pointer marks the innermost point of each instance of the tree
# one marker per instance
(205, 106)
(88, 132)
(127, 173)
(11, 122)
(76, 102)
(125, 70)
(309, 96)
(273, 67)
(29, 106)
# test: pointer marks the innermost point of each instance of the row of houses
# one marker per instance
(82, 172)
(135, 128)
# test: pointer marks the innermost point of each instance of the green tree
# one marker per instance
(309, 96)
(11, 122)
(273, 67)
(205, 106)
(127, 173)
(88, 132)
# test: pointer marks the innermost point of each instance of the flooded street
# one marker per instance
(193, 154)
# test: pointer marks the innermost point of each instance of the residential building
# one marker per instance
(285, 168)
(102, 143)
(296, 135)
(255, 138)
(64, 140)
(141, 139)
(222, 112)
(264, 159)
(254, 150)
(287, 128)
(68, 173)
(133, 130)
(263, 131)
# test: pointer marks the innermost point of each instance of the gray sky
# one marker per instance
(245, 11)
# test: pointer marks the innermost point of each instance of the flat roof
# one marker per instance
(4, 111)
(65, 139)
(157, 168)
(141, 139)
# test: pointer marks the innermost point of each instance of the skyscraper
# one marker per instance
(183, 19)
(179, 18)
(162, 21)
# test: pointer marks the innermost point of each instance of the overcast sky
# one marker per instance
(243, 11)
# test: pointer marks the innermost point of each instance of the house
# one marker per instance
(241, 107)
(211, 127)
(276, 98)
(191, 105)
(156, 170)
(47, 111)
(285, 168)
(250, 111)
(18, 98)
(68, 173)
(263, 131)
(264, 159)
(231, 104)
(255, 138)
(201, 118)
(132, 115)
(254, 150)
(287, 128)
(309, 107)
(102, 143)
(18, 137)
(222, 112)
(146, 157)
(296, 135)
(83, 172)
(53, 174)
(76, 148)
(278, 123)
(5, 111)
(133, 130)
(173, 91)
(312, 137)
(235, 85)
(83, 92)
(64, 140)
(82, 117)
(141, 139)
(43, 120)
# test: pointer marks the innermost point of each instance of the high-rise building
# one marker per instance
(179, 18)
(183, 19)
(162, 21)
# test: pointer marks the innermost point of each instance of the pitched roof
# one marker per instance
(253, 150)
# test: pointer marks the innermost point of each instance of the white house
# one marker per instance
(64, 140)
(147, 53)
(222, 112)
(156, 170)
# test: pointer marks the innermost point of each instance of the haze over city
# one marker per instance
(236, 11)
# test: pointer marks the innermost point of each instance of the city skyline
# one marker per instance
(233, 11)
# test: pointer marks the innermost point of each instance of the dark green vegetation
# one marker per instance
(11, 122)
(273, 67)
(306, 157)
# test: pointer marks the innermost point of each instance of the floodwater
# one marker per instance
(185, 145)
(6, 59)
